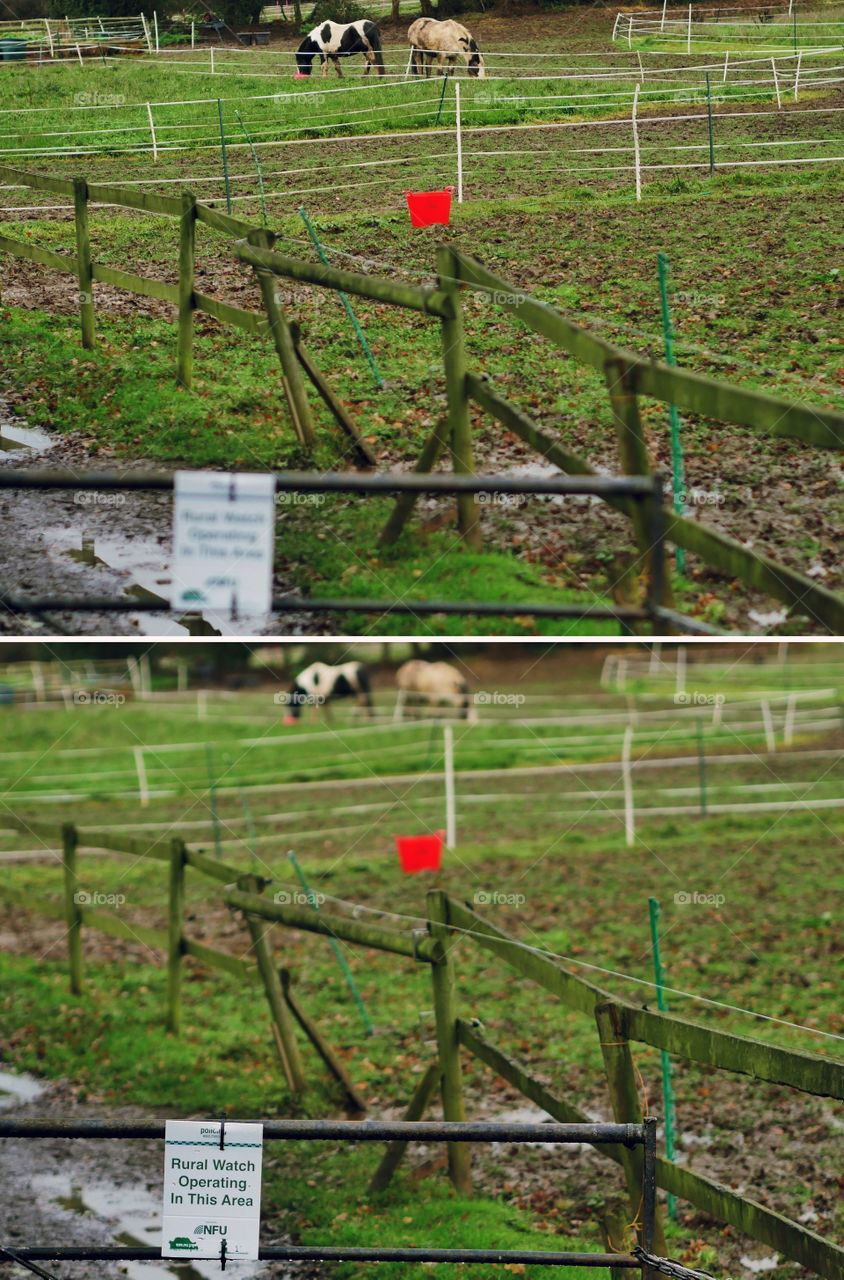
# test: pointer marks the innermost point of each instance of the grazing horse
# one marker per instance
(334, 40)
(433, 683)
(446, 40)
(319, 683)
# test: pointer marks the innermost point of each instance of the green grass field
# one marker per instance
(768, 944)
(754, 296)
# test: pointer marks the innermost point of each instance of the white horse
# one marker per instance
(445, 41)
(335, 40)
(433, 684)
(319, 683)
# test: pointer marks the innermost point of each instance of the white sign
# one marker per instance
(223, 533)
(212, 1194)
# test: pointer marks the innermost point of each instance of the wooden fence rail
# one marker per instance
(452, 925)
(628, 375)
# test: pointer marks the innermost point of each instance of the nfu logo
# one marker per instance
(210, 1229)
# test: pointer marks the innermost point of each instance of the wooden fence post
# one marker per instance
(634, 458)
(175, 935)
(405, 502)
(285, 1036)
(73, 913)
(83, 259)
(460, 431)
(354, 1101)
(283, 339)
(187, 302)
(416, 1109)
(627, 1109)
(448, 1045)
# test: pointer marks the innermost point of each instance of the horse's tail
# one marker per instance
(375, 43)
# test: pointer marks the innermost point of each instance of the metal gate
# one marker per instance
(629, 1136)
(645, 493)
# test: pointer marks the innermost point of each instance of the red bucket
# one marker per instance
(429, 207)
(420, 853)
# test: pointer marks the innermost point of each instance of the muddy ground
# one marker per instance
(66, 544)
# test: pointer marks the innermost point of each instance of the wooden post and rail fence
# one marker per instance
(628, 375)
(452, 926)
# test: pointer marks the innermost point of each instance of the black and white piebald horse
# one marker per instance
(334, 40)
(432, 684)
(318, 684)
(446, 41)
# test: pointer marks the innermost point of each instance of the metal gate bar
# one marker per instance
(628, 1135)
(647, 491)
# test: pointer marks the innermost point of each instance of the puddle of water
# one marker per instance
(133, 1215)
(772, 619)
(143, 558)
(535, 1115)
(547, 471)
(86, 554)
(756, 1265)
(15, 1089)
(14, 437)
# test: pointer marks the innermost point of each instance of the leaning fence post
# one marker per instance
(627, 1109)
(187, 248)
(460, 430)
(416, 1108)
(72, 910)
(283, 339)
(445, 1009)
(175, 932)
(83, 262)
(285, 1036)
(634, 454)
(405, 502)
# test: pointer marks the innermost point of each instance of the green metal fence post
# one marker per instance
(225, 160)
(341, 959)
(667, 1088)
(379, 382)
(711, 134)
(72, 909)
(677, 464)
(212, 792)
(257, 166)
(701, 757)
